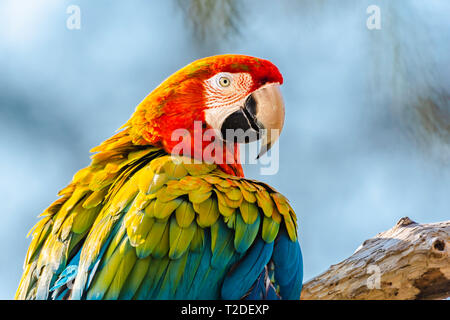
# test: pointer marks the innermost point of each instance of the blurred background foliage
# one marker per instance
(367, 134)
(213, 20)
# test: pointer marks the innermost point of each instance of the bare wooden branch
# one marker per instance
(409, 261)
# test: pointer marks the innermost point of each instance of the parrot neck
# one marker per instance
(234, 166)
(201, 144)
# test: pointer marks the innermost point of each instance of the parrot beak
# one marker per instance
(269, 114)
(261, 117)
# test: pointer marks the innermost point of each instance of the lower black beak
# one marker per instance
(242, 126)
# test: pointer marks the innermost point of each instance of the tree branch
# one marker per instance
(409, 261)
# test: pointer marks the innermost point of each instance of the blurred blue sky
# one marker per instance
(349, 163)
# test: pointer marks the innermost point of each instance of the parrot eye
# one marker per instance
(224, 82)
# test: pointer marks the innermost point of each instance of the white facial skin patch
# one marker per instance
(224, 94)
(226, 89)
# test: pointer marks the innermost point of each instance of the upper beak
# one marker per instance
(270, 114)
(261, 117)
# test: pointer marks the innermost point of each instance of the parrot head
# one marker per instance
(236, 96)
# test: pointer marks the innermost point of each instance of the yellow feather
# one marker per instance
(66, 228)
(138, 228)
(164, 209)
(208, 212)
(141, 201)
(162, 245)
(190, 183)
(185, 214)
(173, 187)
(150, 209)
(265, 202)
(212, 179)
(66, 207)
(104, 277)
(157, 182)
(234, 194)
(40, 232)
(145, 178)
(81, 175)
(180, 238)
(233, 203)
(248, 195)
(115, 242)
(249, 212)
(174, 168)
(153, 238)
(135, 278)
(199, 169)
(198, 196)
(124, 269)
(164, 195)
(248, 186)
(83, 219)
(96, 240)
(124, 196)
(281, 203)
(269, 230)
(95, 198)
(276, 216)
(290, 226)
(101, 179)
(222, 189)
(198, 240)
(225, 210)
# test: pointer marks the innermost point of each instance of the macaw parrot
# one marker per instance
(145, 222)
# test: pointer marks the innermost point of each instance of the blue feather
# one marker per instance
(288, 262)
(239, 281)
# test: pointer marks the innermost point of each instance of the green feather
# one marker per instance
(198, 240)
(163, 244)
(105, 276)
(172, 277)
(245, 234)
(185, 214)
(152, 240)
(121, 275)
(249, 212)
(135, 278)
(138, 229)
(221, 244)
(180, 238)
(156, 269)
(269, 229)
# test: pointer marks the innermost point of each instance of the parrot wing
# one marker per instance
(146, 225)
